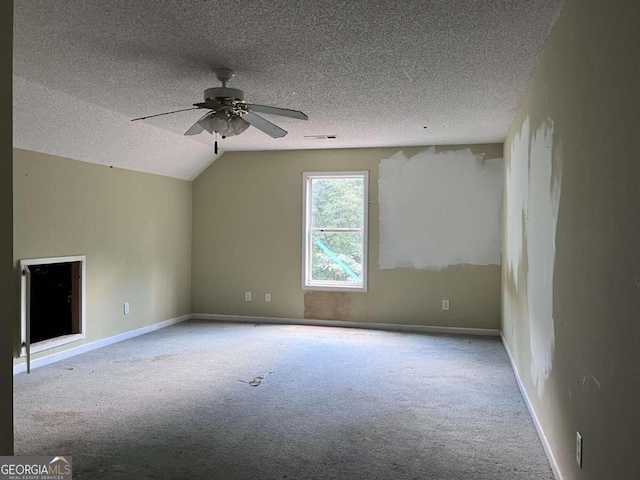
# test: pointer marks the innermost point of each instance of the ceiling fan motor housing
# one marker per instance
(223, 92)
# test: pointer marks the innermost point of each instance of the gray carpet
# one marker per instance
(339, 404)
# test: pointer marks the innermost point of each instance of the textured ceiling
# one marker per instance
(374, 73)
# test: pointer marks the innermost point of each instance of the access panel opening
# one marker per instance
(52, 302)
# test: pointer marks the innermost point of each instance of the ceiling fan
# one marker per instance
(229, 114)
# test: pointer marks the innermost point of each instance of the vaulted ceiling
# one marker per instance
(373, 73)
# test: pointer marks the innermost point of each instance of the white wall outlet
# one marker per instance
(247, 296)
(579, 449)
(267, 297)
(445, 304)
(126, 308)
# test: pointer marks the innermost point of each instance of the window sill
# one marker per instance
(361, 289)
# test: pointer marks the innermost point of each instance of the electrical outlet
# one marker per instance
(267, 297)
(579, 449)
(247, 296)
(126, 308)
(445, 304)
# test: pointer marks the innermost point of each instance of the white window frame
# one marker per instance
(57, 341)
(307, 283)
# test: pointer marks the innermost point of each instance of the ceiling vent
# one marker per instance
(322, 137)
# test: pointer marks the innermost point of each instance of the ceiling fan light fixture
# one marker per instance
(238, 124)
(225, 124)
(219, 123)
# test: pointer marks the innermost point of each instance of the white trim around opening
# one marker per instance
(62, 340)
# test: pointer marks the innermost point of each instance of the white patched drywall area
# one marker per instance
(439, 209)
(534, 179)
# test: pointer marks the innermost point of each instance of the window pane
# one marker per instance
(337, 203)
(336, 256)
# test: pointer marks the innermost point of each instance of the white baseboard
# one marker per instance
(72, 352)
(340, 323)
(543, 438)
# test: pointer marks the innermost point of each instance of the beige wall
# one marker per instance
(134, 228)
(586, 86)
(247, 236)
(8, 280)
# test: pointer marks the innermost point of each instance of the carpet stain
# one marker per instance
(155, 358)
(61, 418)
(167, 356)
(130, 361)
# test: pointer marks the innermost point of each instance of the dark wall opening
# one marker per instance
(54, 305)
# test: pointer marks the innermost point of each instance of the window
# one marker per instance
(335, 230)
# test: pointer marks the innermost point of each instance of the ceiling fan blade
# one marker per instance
(264, 125)
(283, 112)
(166, 113)
(210, 104)
(203, 124)
(195, 129)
